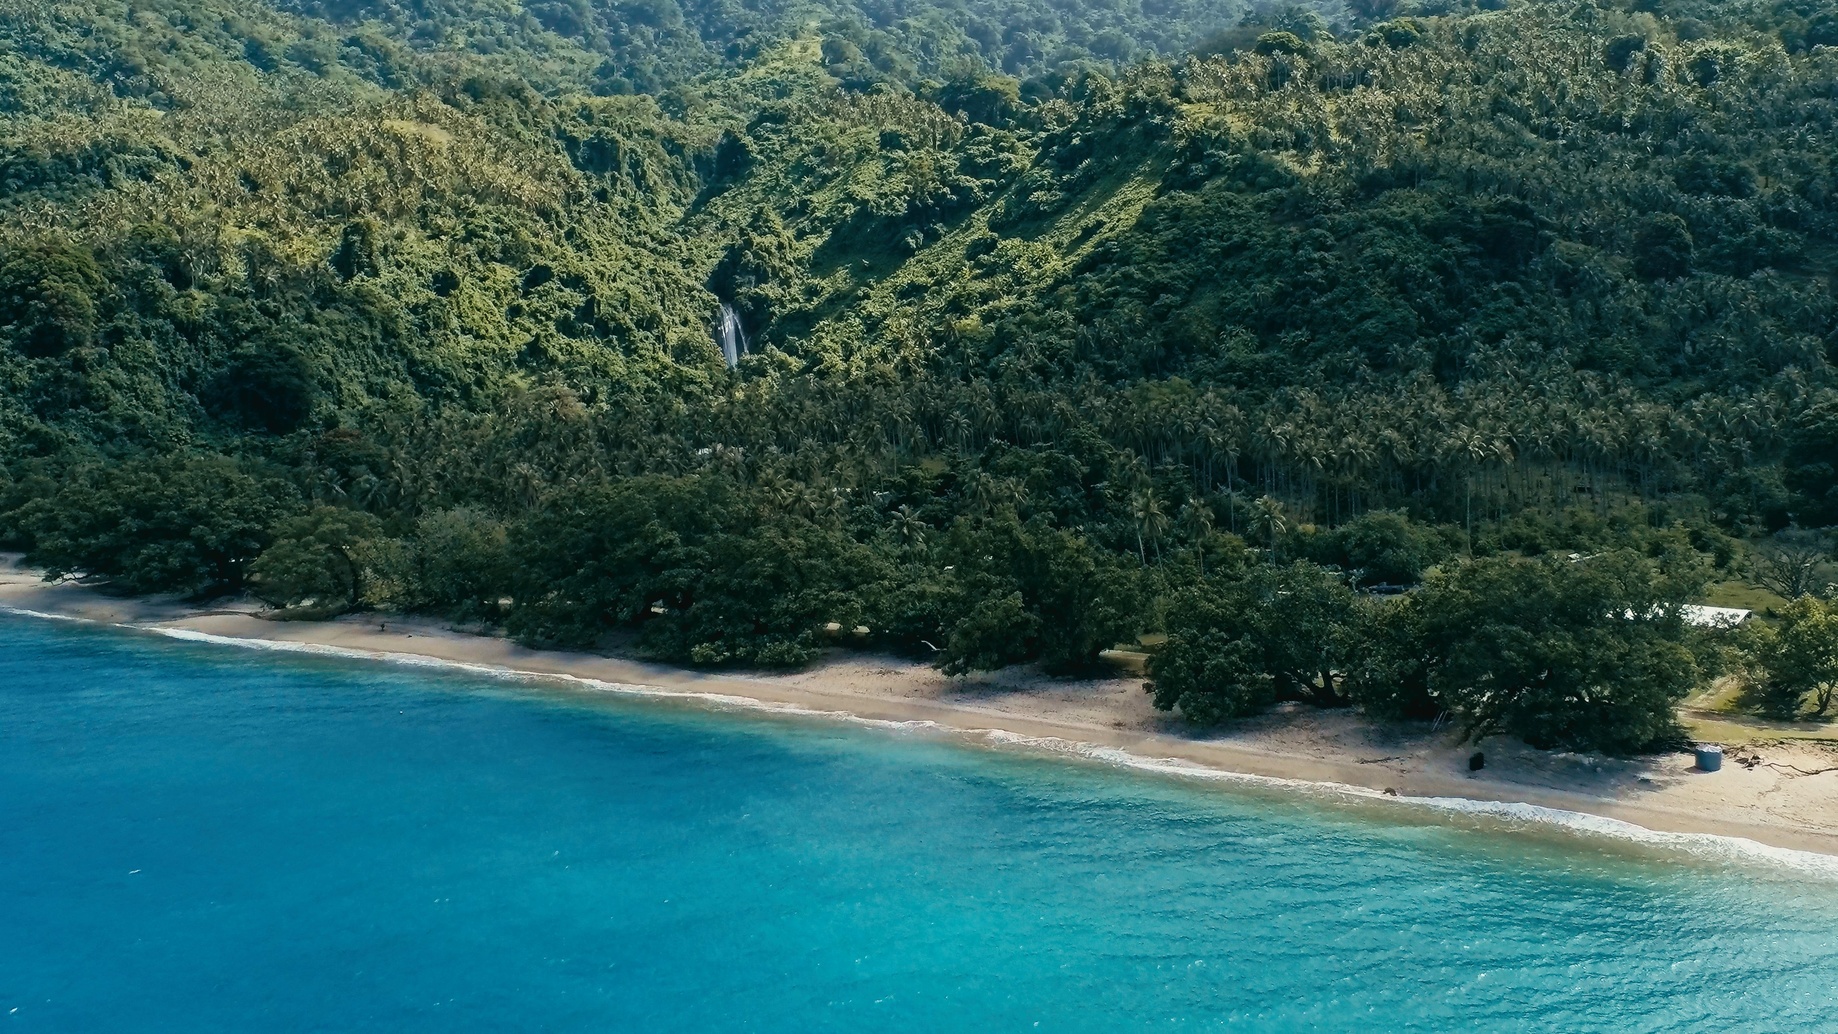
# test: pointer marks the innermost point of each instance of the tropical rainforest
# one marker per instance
(1423, 356)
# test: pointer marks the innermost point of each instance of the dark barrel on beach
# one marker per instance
(1710, 758)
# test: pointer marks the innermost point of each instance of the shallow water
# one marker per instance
(199, 838)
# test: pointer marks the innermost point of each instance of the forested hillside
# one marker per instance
(1053, 342)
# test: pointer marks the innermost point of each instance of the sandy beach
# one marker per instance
(1778, 793)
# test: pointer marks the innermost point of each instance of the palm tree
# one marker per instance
(1267, 518)
(1468, 448)
(1197, 523)
(1151, 521)
(983, 492)
(909, 529)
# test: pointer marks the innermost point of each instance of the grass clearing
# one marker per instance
(1745, 596)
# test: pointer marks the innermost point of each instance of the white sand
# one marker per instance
(1771, 802)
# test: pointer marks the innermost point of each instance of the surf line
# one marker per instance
(1711, 845)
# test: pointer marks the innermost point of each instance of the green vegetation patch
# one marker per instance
(1419, 358)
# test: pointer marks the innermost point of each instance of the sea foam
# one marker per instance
(1711, 846)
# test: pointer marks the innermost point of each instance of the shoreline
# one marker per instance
(1105, 720)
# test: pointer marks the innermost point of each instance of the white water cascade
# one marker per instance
(730, 335)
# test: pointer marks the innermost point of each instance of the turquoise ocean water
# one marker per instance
(204, 838)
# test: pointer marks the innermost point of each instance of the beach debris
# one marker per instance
(1749, 758)
(1797, 770)
(1752, 759)
(1746, 757)
(1477, 761)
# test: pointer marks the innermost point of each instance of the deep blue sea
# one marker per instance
(205, 838)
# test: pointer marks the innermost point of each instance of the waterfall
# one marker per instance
(729, 334)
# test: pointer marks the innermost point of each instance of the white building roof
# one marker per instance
(1713, 617)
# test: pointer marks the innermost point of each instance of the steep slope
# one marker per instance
(365, 315)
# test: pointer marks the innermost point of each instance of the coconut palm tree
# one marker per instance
(1151, 522)
(1196, 520)
(1269, 520)
(909, 529)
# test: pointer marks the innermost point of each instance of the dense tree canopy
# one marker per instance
(1066, 323)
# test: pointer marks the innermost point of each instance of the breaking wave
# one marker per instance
(1514, 814)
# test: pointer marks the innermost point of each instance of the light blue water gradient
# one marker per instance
(201, 838)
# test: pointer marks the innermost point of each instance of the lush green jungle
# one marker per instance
(1409, 355)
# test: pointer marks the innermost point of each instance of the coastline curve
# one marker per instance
(1510, 815)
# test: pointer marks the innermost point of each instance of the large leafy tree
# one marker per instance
(1236, 646)
(322, 558)
(462, 563)
(1580, 653)
(184, 523)
(601, 557)
(1795, 664)
(767, 596)
(1027, 591)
